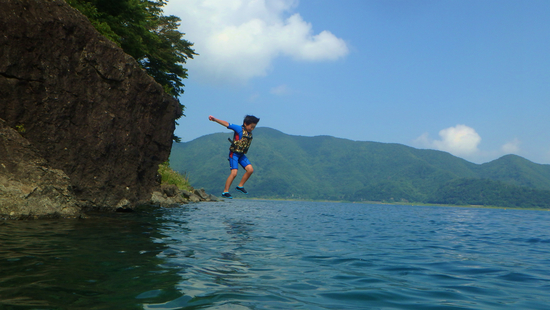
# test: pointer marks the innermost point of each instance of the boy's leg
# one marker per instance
(233, 166)
(247, 174)
(245, 163)
(229, 180)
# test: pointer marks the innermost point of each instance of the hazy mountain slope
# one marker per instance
(517, 170)
(325, 167)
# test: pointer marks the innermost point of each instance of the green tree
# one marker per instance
(142, 31)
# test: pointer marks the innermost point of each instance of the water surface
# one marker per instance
(249, 254)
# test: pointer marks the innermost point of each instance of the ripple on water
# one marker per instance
(248, 254)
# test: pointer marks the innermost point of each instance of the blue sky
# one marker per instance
(471, 78)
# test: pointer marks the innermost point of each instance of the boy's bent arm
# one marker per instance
(219, 121)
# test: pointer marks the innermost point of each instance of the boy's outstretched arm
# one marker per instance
(219, 121)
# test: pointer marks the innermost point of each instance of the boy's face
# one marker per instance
(249, 127)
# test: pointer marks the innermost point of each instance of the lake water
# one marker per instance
(249, 254)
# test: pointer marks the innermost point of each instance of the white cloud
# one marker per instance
(423, 140)
(254, 97)
(511, 147)
(460, 140)
(238, 39)
(280, 90)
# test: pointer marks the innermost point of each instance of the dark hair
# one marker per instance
(250, 119)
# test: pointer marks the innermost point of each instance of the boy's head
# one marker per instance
(250, 122)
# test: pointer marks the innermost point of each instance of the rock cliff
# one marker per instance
(88, 112)
(28, 188)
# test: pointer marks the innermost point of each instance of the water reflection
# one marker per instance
(280, 255)
(98, 263)
(209, 275)
(239, 229)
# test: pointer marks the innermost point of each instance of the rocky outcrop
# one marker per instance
(170, 195)
(28, 188)
(97, 124)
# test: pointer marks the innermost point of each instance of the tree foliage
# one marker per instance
(489, 192)
(142, 31)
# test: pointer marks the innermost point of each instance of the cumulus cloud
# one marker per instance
(511, 147)
(280, 90)
(460, 140)
(254, 97)
(238, 39)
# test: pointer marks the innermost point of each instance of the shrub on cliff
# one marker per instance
(169, 176)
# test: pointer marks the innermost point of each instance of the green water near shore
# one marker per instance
(99, 263)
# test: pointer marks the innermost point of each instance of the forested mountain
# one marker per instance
(328, 168)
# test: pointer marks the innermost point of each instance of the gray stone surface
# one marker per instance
(28, 187)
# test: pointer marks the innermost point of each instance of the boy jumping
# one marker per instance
(239, 146)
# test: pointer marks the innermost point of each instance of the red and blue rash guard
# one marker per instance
(237, 158)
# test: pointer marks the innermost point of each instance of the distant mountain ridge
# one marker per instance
(329, 168)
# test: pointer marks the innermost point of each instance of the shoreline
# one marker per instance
(413, 204)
